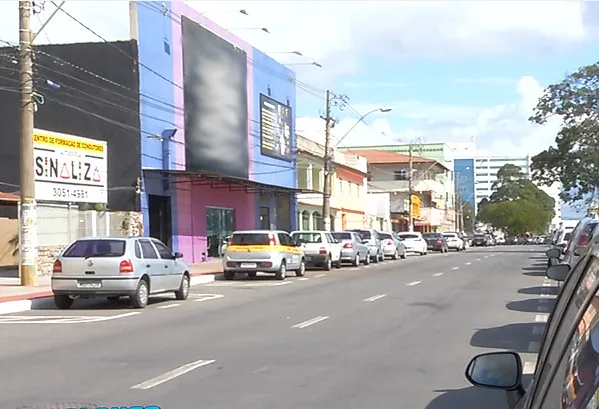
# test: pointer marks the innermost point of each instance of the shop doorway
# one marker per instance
(161, 224)
(284, 212)
(265, 218)
(220, 223)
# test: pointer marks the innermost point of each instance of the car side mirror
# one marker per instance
(558, 272)
(553, 252)
(178, 255)
(496, 370)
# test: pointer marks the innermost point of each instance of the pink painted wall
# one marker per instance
(191, 204)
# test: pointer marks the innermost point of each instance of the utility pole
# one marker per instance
(326, 193)
(28, 215)
(410, 188)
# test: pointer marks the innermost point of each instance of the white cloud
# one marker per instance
(502, 129)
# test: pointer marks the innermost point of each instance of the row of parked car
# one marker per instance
(567, 369)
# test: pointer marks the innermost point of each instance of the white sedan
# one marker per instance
(414, 242)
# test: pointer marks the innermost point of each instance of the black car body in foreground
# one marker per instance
(568, 361)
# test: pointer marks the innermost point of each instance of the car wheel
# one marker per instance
(328, 263)
(302, 269)
(367, 259)
(381, 257)
(252, 274)
(63, 302)
(403, 256)
(396, 255)
(141, 296)
(375, 259)
(229, 275)
(338, 262)
(282, 273)
(183, 292)
(356, 262)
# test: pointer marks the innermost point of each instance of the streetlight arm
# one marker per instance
(359, 121)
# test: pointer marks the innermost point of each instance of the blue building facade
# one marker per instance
(464, 179)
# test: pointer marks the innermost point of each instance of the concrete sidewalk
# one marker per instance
(17, 298)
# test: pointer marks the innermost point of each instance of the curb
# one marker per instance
(26, 302)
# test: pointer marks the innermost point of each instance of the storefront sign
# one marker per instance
(69, 168)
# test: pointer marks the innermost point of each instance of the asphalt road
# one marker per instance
(394, 335)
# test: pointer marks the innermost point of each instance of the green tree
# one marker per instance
(516, 204)
(574, 159)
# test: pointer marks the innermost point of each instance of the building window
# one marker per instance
(358, 189)
(305, 220)
(401, 174)
(349, 187)
(265, 218)
(340, 186)
(219, 225)
(317, 221)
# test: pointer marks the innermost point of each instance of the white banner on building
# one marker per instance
(69, 168)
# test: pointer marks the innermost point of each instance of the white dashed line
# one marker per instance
(529, 368)
(486, 257)
(303, 279)
(164, 307)
(312, 321)
(413, 283)
(437, 274)
(478, 259)
(320, 275)
(182, 370)
(547, 284)
(455, 268)
(467, 264)
(374, 297)
(541, 318)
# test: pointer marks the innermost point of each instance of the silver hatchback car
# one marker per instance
(112, 267)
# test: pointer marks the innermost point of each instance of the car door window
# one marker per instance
(163, 251)
(330, 239)
(138, 250)
(148, 249)
(565, 388)
(284, 239)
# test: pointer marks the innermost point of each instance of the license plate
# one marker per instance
(89, 284)
(248, 265)
(308, 258)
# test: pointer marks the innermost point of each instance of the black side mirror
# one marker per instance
(553, 252)
(496, 370)
(178, 255)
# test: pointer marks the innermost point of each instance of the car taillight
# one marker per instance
(271, 240)
(584, 240)
(389, 243)
(57, 267)
(322, 251)
(348, 246)
(126, 267)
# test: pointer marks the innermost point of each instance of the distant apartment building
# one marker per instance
(485, 172)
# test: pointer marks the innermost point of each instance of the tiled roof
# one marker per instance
(375, 157)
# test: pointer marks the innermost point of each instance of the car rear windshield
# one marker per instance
(364, 234)
(304, 238)
(341, 236)
(385, 236)
(96, 248)
(250, 239)
(408, 236)
(567, 236)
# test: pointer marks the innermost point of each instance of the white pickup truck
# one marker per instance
(320, 248)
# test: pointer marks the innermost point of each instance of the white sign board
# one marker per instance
(69, 168)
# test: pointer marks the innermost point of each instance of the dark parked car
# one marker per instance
(436, 242)
(479, 240)
(565, 376)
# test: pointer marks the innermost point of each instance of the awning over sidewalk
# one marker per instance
(233, 184)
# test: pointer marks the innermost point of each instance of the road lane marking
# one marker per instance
(547, 284)
(437, 274)
(467, 264)
(413, 283)
(374, 297)
(312, 321)
(455, 268)
(478, 259)
(529, 368)
(170, 375)
(165, 307)
(541, 318)
(206, 297)
(320, 275)
(486, 257)
(533, 347)
(303, 279)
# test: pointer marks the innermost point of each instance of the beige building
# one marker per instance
(348, 194)
(388, 172)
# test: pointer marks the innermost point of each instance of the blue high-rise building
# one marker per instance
(464, 180)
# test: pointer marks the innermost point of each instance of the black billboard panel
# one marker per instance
(275, 129)
(216, 98)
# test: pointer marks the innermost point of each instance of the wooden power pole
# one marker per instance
(28, 215)
(326, 191)
(410, 188)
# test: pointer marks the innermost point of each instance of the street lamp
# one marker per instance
(314, 63)
(328, 157)
(264, 29)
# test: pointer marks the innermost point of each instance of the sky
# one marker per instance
(450, 71)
